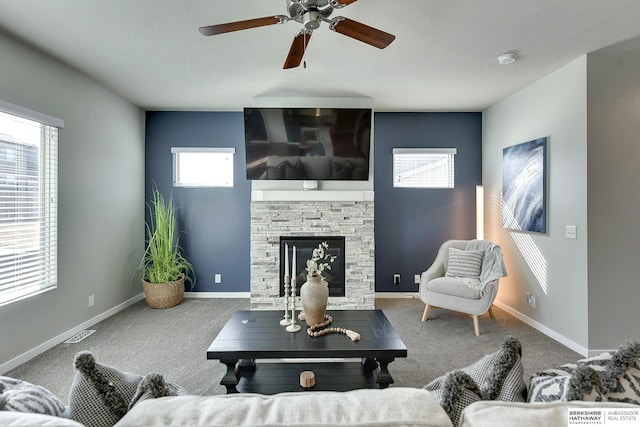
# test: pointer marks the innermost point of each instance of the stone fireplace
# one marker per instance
(351, 219)
(305, 245)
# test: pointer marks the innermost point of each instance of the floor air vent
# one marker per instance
(79, 336)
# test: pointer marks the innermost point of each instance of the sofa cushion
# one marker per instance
(22, 419)
(21, 396)
(462, 263)
(552, 414)
(496, 376)
(395, 406)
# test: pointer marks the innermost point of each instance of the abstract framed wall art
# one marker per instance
(524, 186)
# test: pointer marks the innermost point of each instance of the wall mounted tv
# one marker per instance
(307, 143)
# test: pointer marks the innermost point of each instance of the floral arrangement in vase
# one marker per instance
(320, 260)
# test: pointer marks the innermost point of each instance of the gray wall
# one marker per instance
(614, 194)
(589, 109)
(101, 199)
(411, 223)
(550, 266)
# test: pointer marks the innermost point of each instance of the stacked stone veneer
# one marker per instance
(353, 220)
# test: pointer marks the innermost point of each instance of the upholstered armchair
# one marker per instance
(464, 277)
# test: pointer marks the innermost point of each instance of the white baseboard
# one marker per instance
(217, 294)
(25, 357)
(397, 295)
(545, 330)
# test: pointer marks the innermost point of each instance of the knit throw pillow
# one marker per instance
(154, 386)
(496, 376)
(464, 263)
(100, 394)
(21, 396)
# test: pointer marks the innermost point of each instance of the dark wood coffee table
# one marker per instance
(256, 334)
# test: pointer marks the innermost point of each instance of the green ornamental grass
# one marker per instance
(163, 260)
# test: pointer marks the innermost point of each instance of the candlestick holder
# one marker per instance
(293, 327)
(287, 286)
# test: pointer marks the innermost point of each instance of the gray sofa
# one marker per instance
(395, 406)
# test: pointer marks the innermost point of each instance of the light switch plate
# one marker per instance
(570, 232)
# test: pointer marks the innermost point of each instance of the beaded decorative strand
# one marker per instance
(321, 329)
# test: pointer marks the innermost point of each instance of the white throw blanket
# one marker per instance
(492, 265)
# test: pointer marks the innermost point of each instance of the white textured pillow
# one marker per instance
(464, 263)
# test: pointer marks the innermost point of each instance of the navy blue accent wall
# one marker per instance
(215, 221)
(410, 224)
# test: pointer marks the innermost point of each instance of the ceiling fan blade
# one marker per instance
(362, 32)
(298, 47)
(212, 30)
(337, 4)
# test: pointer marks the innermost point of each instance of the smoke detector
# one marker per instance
(507, 58)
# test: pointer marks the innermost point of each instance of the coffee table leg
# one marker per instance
(231, 378)
(247, 365)
(369, 365)
(384, 377)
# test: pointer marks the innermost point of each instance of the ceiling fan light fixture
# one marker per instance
(507, 58)
(311, 20)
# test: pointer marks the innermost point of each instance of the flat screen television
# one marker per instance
(307, 143)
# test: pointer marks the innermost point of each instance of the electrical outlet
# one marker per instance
(396, 279)
(91, 300)
(531, 299)
(217, 278)
(416, 279)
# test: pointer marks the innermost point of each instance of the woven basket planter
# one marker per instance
(163, 295)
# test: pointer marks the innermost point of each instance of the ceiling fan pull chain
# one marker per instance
(304, 53)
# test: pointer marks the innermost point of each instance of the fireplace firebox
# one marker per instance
(304, 250)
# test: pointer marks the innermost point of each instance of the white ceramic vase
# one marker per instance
(314, 295)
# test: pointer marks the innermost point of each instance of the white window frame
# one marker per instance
(215, 167)
(28, 236)
(413, 167)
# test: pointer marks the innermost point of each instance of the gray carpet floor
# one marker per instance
(174, 341)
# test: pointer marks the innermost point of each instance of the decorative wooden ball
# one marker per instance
(307, 379)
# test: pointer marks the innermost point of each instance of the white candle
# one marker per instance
(286, 259)
(293, 266)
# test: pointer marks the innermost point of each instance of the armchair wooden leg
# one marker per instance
(426, 313)
(491, 311)
(476, 325)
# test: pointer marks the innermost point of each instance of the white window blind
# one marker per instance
(202, 167)
(28, 202)
(423, 167)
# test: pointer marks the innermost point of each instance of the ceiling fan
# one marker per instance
(310, 13)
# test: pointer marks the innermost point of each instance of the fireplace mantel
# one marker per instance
(312, 196)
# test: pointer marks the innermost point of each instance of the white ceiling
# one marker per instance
(444, 57)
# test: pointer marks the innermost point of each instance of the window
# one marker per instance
(423, 167)
(202, 167)
(28, 202)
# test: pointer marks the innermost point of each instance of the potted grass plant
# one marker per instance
(164, 267)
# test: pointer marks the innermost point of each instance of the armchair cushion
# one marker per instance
(464, 263)
(453, 286)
